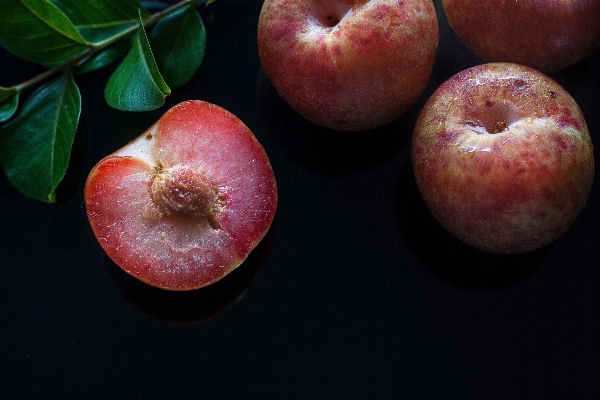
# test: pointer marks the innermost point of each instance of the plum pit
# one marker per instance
(185, 193)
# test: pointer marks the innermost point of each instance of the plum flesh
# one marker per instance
(185, 203)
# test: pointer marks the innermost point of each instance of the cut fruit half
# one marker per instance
(185, 203)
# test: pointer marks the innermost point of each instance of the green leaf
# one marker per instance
(104, 57)
(179, 43)
(35, 147)
(136, 85)
(98, 20)
(37, 31)
(9, 100)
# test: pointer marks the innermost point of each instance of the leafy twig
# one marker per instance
(96, 47)
(36, 142)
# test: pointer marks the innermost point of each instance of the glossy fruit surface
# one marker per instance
(503, 157)
(348, 65)
(183, 204)
(545, 34)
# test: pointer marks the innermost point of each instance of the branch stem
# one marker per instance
(96, 47)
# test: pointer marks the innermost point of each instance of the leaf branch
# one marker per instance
(96, 47)
(162, 51)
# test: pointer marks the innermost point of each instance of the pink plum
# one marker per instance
(503, 157)
(349, 65)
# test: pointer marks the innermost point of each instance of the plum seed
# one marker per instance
(183, 192)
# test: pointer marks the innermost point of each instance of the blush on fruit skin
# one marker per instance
(348, 65)
(185, 203)
(545, 34)
(503, 158)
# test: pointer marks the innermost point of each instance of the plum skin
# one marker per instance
(548, 35)
(348, 65)
(183, 204)
(507, 188)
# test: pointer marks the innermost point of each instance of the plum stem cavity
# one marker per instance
(186, 193)
(500, 126)
(327, 15)
(495, 117)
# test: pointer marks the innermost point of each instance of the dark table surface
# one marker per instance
(356, 292)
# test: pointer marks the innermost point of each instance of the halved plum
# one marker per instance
(183, 204)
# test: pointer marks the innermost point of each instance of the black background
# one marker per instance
(355, 293)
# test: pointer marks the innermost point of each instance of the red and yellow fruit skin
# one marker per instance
(508, 192)
(366, 71)
(545, 34)
(178, 252)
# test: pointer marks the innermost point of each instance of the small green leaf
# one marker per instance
(37, 31)
(179, 43)
(104, 57)
(35, 147)
(9, 100)
(136, 85)
(98, 20)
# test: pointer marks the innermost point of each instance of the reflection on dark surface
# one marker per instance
(447, 257)
(198, 305)
(321, 149)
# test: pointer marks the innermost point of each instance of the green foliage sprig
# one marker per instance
(162, 51)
